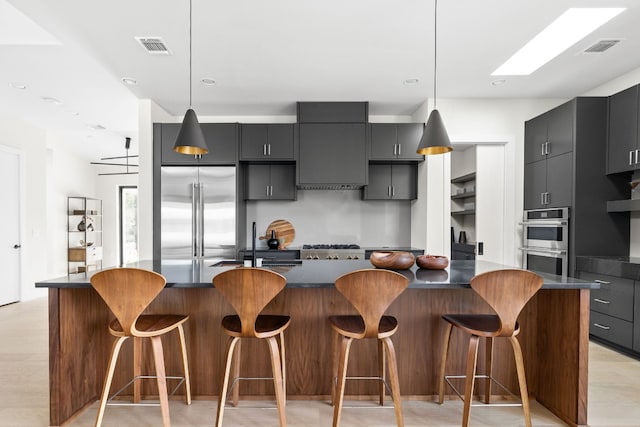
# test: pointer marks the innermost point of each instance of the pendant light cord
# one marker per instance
(435, 53)
(190, 42)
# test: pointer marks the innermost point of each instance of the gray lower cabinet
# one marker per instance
(622, 141)
(391, 182)
(395, 141)
(612, 309)
(463, 251)
(267, 142)
(332, 154)
(221, 140)
(270, 182)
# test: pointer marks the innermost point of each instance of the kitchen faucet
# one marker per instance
(253, 245)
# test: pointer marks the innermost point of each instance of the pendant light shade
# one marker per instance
(435, 139)
(190, 139)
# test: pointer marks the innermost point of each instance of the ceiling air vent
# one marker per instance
(601, 45)
(153, 45)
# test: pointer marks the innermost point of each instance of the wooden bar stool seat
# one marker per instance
(506, 292)
(371, 292)
(249, 290)
(128, 292)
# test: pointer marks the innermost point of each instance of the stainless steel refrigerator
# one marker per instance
(198, 212)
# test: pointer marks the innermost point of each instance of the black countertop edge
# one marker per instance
(319, 274)
(627, 267)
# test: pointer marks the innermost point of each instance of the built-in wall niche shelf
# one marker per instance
(464, 212)
(628, 205)
(463, 195)
(464, 178)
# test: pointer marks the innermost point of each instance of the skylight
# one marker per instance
(568, 29)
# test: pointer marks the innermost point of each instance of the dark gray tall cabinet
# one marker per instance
(565, 152)
(623, 154)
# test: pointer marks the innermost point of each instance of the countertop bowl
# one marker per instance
(432, 262)
(395, 260)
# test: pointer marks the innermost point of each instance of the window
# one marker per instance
(128, 225)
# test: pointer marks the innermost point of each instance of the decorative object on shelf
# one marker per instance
(395, 260)
(273, 242)
(634, 184)
(432, 262)
(284, 230)
(82, 225)
(434, 139)
(127, 144)
(453, 235)
(190, 139)
(462, 238)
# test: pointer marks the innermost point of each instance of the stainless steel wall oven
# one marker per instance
(546, 241)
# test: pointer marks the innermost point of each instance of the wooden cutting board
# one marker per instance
(285, 232)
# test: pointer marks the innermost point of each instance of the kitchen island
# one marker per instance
(554, 336)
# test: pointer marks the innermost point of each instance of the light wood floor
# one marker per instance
(614, 393)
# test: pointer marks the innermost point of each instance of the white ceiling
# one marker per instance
(266, 55)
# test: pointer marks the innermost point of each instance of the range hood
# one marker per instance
(332, 152)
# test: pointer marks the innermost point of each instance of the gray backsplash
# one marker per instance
(327, 216)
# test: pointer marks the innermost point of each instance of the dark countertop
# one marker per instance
(318, 274)
(627, 267)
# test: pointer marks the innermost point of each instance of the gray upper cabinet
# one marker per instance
(550, 134)
(548, 183)
(221, 140)
(267, 142)
(391, 182)
(622, 144)
(332, 155)
(395, 141)
(270, 182)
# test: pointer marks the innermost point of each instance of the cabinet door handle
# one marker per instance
(268, 149)
(264, 149)
(546, 148)
(597, 325)
(637, 159)
(547, 198)
(388, 191)
(601, 301)
(631, 161)
(393, 191)
(542, 148)
(267, 190)
(542, 198)
(270, 190)
(399, 149)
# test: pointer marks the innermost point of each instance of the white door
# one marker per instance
(9, 227)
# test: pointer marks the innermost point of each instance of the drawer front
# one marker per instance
(615, 296)
(611, 329)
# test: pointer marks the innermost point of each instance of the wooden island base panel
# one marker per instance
(554, 337)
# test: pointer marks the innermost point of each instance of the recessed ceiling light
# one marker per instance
(129, 81)
(51, 100)
(96, 127)
(208, 81)
(73, 113)
(498, 82)
(569, 28)
(411, 82)
(17, 85)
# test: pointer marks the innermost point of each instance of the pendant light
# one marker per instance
(434, 139)
(190, 139)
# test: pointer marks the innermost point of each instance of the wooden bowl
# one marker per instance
(432, 262)
(395, 260)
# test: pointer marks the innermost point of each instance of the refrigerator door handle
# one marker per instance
(201, 218)
(194, 218)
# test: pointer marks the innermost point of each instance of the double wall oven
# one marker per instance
(545, 242)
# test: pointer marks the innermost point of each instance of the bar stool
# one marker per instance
(128, 292)
(507, 292)
(249, 290)
(371, 292)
